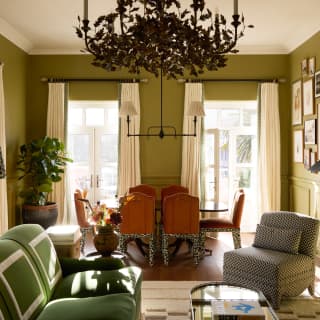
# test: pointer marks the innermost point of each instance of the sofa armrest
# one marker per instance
(70, 265)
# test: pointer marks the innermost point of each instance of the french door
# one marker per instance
(93, 146)
(231, 157)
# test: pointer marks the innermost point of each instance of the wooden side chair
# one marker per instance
(229, 222)
(180, 220)
(138, 221)
(85, 226)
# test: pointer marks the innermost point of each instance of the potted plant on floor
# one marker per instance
(42, 163)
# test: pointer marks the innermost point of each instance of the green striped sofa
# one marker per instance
(35, 284)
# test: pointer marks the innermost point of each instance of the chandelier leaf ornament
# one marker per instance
(159, 35)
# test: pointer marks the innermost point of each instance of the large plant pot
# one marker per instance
(46, 216)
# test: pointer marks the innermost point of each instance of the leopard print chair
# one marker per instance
(281, 261)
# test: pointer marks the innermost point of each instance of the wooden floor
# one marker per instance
(181, 266)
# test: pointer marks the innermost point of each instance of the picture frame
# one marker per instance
(304, 67)
(298, 146)
(297, 102)
(317, 84)
(306, 158)
(310, 131)
(318, 131)
(311, 66)
(308, 101)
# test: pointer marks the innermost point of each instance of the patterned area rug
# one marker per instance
(169, 300)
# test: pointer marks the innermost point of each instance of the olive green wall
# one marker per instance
(15, 87)
(304, 194)
(160, 158)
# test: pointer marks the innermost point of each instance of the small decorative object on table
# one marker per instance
(106, 220)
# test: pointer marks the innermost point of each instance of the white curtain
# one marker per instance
(3, 182)
(56, 129)
(269, 148)
(129, 155)
(191, 146)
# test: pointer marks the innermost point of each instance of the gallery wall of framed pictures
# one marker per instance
(306, 114)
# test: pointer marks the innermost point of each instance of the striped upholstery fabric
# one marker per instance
(22, 292)
(276, 273)
(38, 244)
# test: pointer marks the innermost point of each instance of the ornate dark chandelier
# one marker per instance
(160, 35)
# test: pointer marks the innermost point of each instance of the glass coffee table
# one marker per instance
(201, 298)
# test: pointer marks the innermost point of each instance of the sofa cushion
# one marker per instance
(36, 241)
(97, 283)
(21, 286)
(114, 306)
(286, 240)
(70, 265)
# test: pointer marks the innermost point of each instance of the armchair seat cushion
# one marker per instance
(113, 306)
(272, 272)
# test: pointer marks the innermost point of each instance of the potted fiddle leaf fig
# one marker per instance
(41, 163)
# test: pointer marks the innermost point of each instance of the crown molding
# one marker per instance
(14, 36)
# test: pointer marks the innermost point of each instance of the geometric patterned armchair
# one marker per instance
(281, 261)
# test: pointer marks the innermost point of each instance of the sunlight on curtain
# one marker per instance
(56, 129)
(3, 182)
(269, 148)
(190, 171)
(129, 154)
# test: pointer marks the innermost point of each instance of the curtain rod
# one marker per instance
(276, 80)
(44, 79)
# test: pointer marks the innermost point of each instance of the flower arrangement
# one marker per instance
(103, 216)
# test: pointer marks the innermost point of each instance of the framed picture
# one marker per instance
(318, 131)
(306, 158)
(298, 146)
(317, 84)
(310, 131)
(311, 66)
(308, 101)
(304, 67)
(296, 103)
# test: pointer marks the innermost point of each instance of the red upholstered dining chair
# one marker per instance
(85, 226)
(167, 191)
(138, 221)
(144, 188)
(229, 222)
(172, 189)
(180, 220)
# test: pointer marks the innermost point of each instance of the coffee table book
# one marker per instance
(237, 310)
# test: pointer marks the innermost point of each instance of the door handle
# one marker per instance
(91, 181)
(98, 182)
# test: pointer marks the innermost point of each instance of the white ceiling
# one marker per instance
(47, 26)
